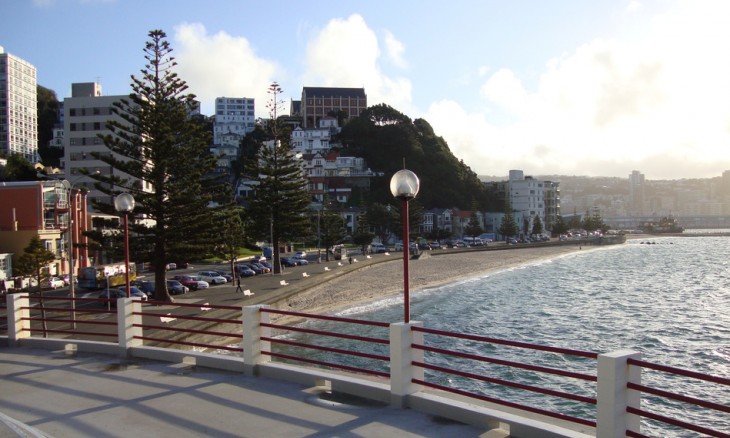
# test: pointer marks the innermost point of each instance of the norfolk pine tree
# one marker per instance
(34, 263)
(278, 209)
(159, 143)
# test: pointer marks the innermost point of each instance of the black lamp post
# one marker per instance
(404, 186)
(124, 203)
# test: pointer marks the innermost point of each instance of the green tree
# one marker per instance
(362, 235)
(508, 226)
(280, 204)
(382, 219)
(233, 239)
(48, 106)
(559, 227)
(473, 228)
(19, 169)
(34, 263)
(160, 155)
(332, 229)
(537, 225)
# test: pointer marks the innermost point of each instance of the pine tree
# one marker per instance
(34, 263)
(508, 227)
(162, 155)
(278, 209)
(473, 228)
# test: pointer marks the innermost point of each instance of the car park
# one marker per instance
(212, 277)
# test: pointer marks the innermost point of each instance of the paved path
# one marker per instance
(46, 393)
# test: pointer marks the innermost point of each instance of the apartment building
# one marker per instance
(86, 114)
(51, 210)
(18, 107)
(318, 102)
(233, 115)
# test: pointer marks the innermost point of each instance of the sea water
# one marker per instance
(666, 297)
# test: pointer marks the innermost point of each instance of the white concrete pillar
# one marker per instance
(18, 314)
(252, 345)
(613, 397)
(401, 355)
(126, 331)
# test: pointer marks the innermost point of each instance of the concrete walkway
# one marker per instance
(47, 393)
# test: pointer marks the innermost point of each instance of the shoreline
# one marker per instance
(381, 281)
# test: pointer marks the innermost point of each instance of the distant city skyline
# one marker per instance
(571, 88)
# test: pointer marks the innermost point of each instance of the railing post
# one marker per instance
(252, 318)
(126, 321)
(613, 397)
(18, 317)
(402, 355)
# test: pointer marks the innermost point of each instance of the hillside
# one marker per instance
(387, 138)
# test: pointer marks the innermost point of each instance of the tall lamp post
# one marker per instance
(404, 186)
(124, 203)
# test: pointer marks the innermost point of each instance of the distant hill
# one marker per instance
(386, 138)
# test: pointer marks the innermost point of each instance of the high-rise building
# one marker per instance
(637, 194)
(18, 107)
(318, 102)
(233, 115)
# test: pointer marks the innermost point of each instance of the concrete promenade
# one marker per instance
(51, 393)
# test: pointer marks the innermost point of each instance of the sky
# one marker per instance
(564, 87)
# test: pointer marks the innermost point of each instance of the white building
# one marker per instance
(18, 107)
(527, 196)
(233, 115)
(315, 140)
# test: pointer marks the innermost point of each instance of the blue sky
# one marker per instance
(570, 87)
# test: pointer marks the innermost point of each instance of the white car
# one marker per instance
(300, 254)
(212, 277)
(54, 282)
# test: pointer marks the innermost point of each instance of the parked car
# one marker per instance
(174, 287)
(378, 248)
(252, 267)
(300, 254)
(300, 260)
(115, 293)
(53, 283)
(288, 262)
(245, 271)
(264, 269)
(171, 266)
(212, 277)
(146, 286)
(66, 277)
(224, 274)
(192, 281)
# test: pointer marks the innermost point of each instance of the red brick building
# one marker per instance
(317, 102)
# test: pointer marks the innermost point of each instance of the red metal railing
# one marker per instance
(683, 399)
(475, 358)
(328, 349)
(196, 331)
(52, 323)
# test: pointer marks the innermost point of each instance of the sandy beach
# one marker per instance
(381, 280)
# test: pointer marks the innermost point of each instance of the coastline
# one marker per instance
(384, 280)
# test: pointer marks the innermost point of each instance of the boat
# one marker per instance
(665, 225)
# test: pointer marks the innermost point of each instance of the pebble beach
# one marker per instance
(376, 281)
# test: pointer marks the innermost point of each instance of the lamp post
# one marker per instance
(404, 186)
(124, 203)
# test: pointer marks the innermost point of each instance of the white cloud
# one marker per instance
(395, 50)
(222, 65)
(347, 53)
(659, 105)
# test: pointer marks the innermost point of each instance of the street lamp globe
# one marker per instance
(124, 203)
(404, 184)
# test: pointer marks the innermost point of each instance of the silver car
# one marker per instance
(212, 277)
